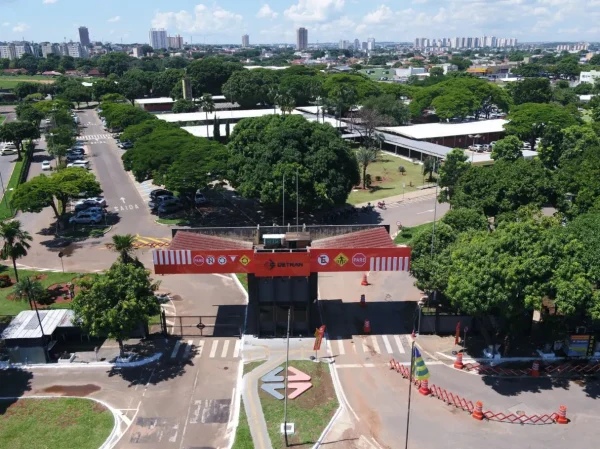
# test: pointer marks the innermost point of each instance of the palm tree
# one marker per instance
(16, 242)
(29, 290)
(207, 105)
(366, 155)
(123, 244)
(273, 96)
(286, 103)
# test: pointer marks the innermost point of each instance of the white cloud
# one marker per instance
(49, 2)
(419, 2)
(114, 19)
(382, 14)
(20, 27)
(265, 12)
(6, 24)
(203, 18)
(309, 11)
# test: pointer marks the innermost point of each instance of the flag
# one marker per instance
(420, 371)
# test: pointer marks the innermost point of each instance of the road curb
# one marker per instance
(76, 365)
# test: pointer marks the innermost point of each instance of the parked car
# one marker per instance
(159, 200)
(477, 147)
(169, 207)
(89, 202)
(125, 145)
(96, 210)
(72, 157)
(76, 150)
(160, 192)
(46, 166)
(86, 218)
(487, 147)
(199, 198)
(79, 164)
(8, 150)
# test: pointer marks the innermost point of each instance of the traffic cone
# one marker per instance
(367, 327)
(458, 363)
(364, 281)
(562, 415)
(424, 388)
(413, 335)
(478, 412)
(535, 369)
(363, 302)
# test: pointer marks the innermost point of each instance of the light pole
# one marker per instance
(287, 361)
(476, 136)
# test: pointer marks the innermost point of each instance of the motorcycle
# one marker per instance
(381, 205)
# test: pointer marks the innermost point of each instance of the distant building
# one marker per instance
(8, 51)
(186, 85)
(158, 38)
(84, 36)
(245, 41)
(589, 77)
(343, 45)
(371, 44)
(175, 42)
(76, 50)
(136, 51)
(365, 46)
(301, 39)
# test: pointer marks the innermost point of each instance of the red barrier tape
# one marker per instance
(468, 406)
(555, 368)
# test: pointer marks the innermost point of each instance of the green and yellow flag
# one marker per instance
(420, 371)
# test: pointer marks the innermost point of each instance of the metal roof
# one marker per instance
(26, 324)
(434, 130)
(432, 149)
(221, 115)
(167, 100)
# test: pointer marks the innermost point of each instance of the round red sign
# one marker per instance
(359, 259)
(198, 260)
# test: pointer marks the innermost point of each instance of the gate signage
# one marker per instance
(284, 263)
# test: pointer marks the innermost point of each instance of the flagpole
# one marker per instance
(410, 377)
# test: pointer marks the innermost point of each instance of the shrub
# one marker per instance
(378, 178)
(96, 233)
(402, 169)
(368, 180)
(5, 281)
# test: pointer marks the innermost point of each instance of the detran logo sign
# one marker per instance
(198, 260)
(359, 260)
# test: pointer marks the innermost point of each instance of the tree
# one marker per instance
(436, 71)
(17, 132)
(146, 49)
(59, 141)
(114, 63)
(139, 130)
(560, 144)
(463, 219)
(361, 86)
(451, 170)
(16, 242)
(120, 115)
(104, 87)
(124, 246)
(27, 113)
(183, 106)
(115, 304)
(207, 105)
(264, 149)
(77, 94)
(364, 156)
(21, 90)
(249, 88)
(132, 88)
(531, 90)
(286, 102)
(528, 121)
(209, 74)
(509, 149)
(393, 109)
(455, 104)
(165, 81)
(29, 290)
(430, 166)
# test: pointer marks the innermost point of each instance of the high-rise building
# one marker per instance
(301, 39)
(245, 41)
(356, 44)
(76, 50)
(365, 46)
(22, 48)
(175, 42)
(158, 38)
(84, 36)
(371, 44)
(343, 45)
(8, 51)
(136, 51)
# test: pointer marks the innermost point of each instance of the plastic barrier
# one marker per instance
(555, 368)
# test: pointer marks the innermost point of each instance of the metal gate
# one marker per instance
(202, 325)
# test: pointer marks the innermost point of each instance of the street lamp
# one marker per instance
(476, 136)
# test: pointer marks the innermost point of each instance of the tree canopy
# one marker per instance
(209, 74)
(508, 149)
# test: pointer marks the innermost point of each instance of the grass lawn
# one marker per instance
(63, 423)
(173, 221)
(14, 306)
(84, 232)
(243, 278)
(9, 82)
(379, 73)
(250, 366)
(391, 179)
(243, 437)
(5, 211)
(2, 118)
(407, 234)
(310, 412)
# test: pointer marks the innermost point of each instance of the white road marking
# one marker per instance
(375, 344)
(188, 349)
(365, 348)
(425, 212)
(341, 349)
(386, 343)
(399, 343)
(175, 349)
(236, 349)
(225, 349)
(213, 349)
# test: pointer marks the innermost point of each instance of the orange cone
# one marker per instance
(364, 280)
(424, 389)
(562, 415)
(367, 327)
(478, 412)
(535, 369)
(458, 364)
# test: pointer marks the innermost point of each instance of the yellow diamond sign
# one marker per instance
(244, 260)
(341, 259)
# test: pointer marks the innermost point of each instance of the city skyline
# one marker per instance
(276, 21)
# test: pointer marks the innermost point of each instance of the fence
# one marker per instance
(202, 326)
(553, 369)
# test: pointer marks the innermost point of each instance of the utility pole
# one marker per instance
(297, 213)
(410, 375)
(283, 211)
(287, 361)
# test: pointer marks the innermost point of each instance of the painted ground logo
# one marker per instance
(359, 259)
(198, 260)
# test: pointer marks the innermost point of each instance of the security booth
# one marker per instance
(282, 269)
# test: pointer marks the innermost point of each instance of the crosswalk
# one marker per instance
(370, 345)
(207, 348)
(97, 138)
(420, 199)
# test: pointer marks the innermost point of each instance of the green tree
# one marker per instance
(249, 88)
(77, 94)
(436, 71)
(21, 90)
(264, 149)
(430, 166)
(209, 74)
(114, 63)
(59, 141)
(27, 113)
(120, 115)
(462, 220)
(182, 106)
(455, 104)
(509, 149)
(389, 106)
(286, 102)
(29, 290)
(164, 82)
(365, 156)
(115, 304)
(451, 170)
(362, 86)
(17, 132)
(132, 88)
(528, 121)
(207, 105)
(137, 131)
(104, 87)
(531, 90)
(124, 246)
(16, 242)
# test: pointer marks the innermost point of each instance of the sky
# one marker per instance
(224, 21)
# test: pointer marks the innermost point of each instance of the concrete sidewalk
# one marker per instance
(405, 198)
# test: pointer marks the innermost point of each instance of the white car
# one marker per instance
(46, 166)
(8, 150)
(79, 164)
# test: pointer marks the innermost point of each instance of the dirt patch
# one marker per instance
(39, 277)
(72, 390)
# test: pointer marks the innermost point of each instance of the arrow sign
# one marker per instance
(123, 199)
(295, 375)
(300, 388)
(272, 376)
(272, 389)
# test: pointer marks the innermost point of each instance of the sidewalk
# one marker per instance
(405, 198)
